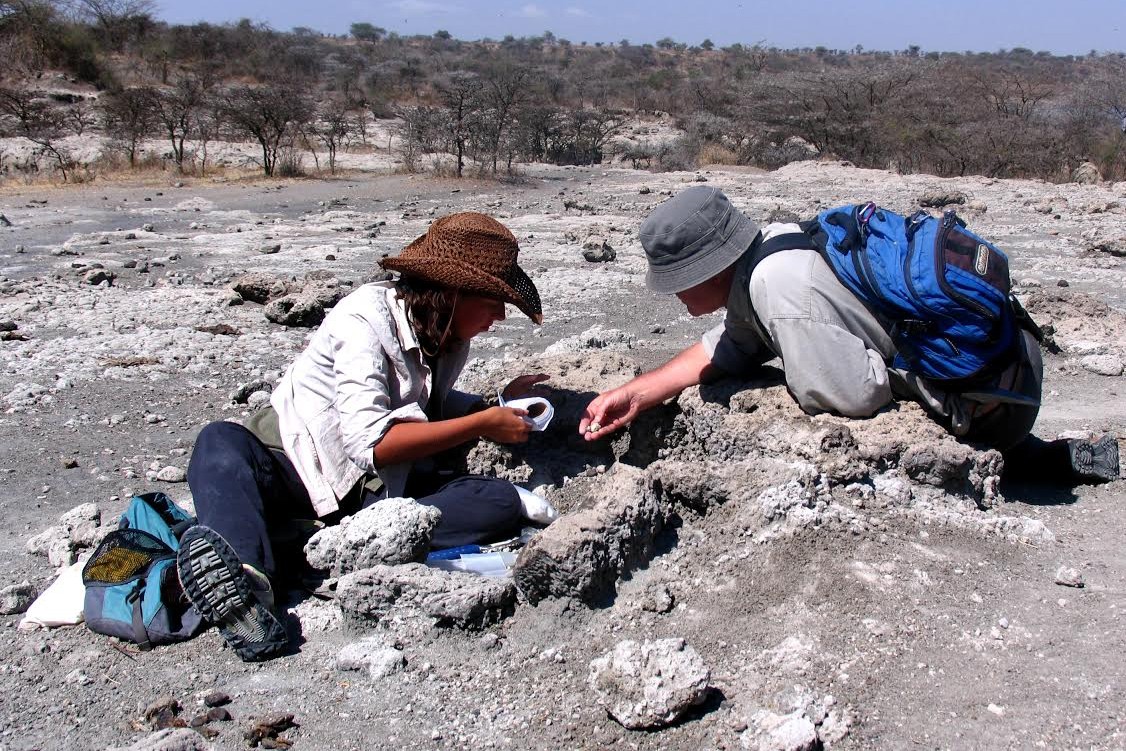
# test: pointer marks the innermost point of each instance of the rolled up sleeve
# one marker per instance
(458, 403)
(735, 349)
(363, 399)
(829, 369)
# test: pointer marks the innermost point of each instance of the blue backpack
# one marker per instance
(943, 290)
(132, 589)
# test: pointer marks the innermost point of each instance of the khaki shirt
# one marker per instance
(362, 372)
(834, 350)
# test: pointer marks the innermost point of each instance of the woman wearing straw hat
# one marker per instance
(370, 399)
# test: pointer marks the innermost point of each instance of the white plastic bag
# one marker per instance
(486, 564)
(536, 508)
(60, 604)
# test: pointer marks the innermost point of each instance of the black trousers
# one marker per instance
(251, 495)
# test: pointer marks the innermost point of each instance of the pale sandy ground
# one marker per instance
(925, 675)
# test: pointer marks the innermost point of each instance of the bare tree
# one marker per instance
(79, 117)
(209, 122)
(461, 94)
(106, 13)
(177, 110)
(360, 121)
(270, 114)
(505, 89)
(131, 116)
(118, 20)
(421, 130)
(332, 129)
(23, 114)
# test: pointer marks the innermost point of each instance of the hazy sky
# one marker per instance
(1059, 26)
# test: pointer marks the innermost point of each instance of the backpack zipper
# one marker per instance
(949, 219)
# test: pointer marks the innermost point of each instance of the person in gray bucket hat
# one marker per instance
(693, 237)
(836, 354)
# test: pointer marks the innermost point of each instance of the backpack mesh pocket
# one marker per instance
(122, 556)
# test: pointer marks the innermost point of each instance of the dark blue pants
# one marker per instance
(251, 494)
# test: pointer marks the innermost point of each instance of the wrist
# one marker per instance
(476, 422)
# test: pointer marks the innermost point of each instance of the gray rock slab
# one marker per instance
(16, 598)
(1067, 576)
(260, 287)
(373, 655)
(416, 596)
(1107, 365)
(774, 732)
(172, 474)
(297, 309)
(172, 739)
(395, 530)
(939, 197)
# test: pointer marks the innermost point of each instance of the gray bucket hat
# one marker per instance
(691, 237)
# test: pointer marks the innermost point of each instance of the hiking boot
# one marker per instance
(1094, 461)
(223, 591)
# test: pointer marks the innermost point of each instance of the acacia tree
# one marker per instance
(367, 32)
(130, 116)
(269, 114)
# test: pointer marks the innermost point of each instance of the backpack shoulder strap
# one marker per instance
(803, 240)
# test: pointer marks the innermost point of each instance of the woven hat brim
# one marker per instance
(470, 279)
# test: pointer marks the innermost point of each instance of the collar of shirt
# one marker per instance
(404, 330)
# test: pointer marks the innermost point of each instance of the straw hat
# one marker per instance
(474, 253)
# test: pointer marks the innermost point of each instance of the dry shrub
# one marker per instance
(290, 164)
(715, 153)
(678, 155)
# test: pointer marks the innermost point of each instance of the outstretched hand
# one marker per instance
(522, 386)
(608, 412)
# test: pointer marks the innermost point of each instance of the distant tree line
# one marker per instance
(484, 106)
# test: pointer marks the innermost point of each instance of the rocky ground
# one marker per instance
(729, 574)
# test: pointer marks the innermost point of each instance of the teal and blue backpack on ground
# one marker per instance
(943, 290)
(132, 589)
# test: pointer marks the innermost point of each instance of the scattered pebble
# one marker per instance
(1069, 577)
(172, 474)
(216, 699)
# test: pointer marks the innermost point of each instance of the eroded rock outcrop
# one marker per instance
(582, 554)
(735, 441)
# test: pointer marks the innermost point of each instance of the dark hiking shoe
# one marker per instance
(224, 593)
(1094, 461)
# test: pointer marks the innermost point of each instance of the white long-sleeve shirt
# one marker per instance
(362, 372)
